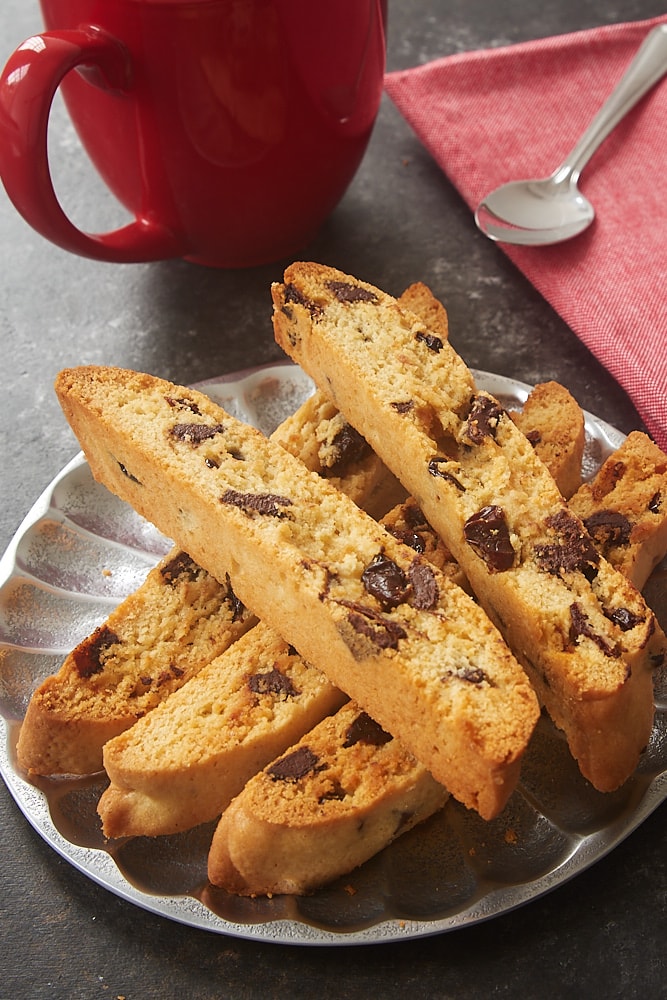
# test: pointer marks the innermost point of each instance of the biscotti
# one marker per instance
(553, 422)
(157, 639)
(625, 507)
(582, 631)
(416, 653)
(344, 792)
(185, 761)
(179, 619)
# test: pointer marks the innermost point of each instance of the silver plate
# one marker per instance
(75, 557)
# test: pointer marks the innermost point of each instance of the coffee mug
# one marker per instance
(229, 129)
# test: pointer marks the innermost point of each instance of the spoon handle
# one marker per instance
(647, 67)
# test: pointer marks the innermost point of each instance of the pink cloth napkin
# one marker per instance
(513, 112)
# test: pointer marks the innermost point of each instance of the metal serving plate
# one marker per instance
(80, 551)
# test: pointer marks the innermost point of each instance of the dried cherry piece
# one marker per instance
(487, 534)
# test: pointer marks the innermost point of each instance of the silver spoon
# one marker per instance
(541, 212)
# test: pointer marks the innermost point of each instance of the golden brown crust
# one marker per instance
(553, 422)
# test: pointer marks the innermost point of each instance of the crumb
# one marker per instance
(106, 572)
(350, 890)
(511, 836)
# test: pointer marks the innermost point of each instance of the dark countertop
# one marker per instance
(63, 936)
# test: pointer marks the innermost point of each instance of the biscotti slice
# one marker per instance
(183, 763)
(324, 441)
(625, 507)
(343, 793)
(158, 638)
(583, 632)
(395, 635)
(553, 422)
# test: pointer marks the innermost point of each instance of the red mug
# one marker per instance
(229, 129)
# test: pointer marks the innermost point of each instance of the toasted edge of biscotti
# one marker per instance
(589, 647)
(553, 422)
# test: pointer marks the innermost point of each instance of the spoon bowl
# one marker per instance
(544, 211)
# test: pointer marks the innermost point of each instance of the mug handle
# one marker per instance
(27, 88)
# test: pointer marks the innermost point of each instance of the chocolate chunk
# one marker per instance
(608, 528)
(624, 618)
(472, 675)
(348, 447)
(262, 503)
(483, 418)
(403, 407)
(346, 292)
(385, 581)
(410, 538)
(128, 474)
(435, 470)
(534, 437)
(88, 656)
(581, 627)
(293, 294)
(195, 434)
(425, 591)
(272, 682)
(183, 404)
(433, 343)
(382, 632)
(180, 567)
(573, 550)
(335, 793)
(366, 730)
(236, 605)
(296, 765)
(487, 534)
(655, 503)
(414, 516)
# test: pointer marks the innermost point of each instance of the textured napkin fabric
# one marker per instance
(508, 113)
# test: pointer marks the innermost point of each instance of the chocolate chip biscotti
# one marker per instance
(183, 763)
(415, 651)
(157, 639)
(625, 507)
(344, 792)
(582, 631)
